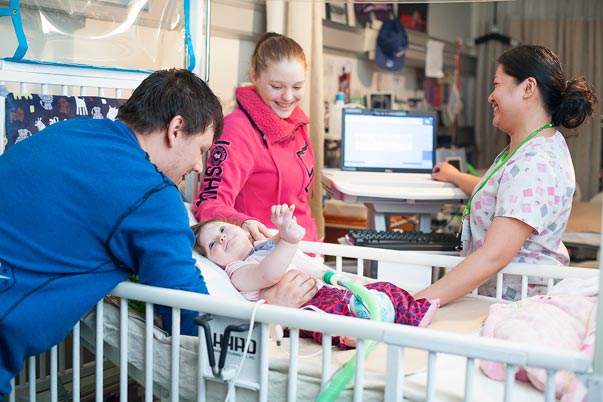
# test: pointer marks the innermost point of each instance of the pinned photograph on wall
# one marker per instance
(344, 79)
(337, 12)
(413, 16)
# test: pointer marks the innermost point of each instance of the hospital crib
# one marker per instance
(267, 375)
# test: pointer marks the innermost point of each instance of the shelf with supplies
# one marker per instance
(358, 40)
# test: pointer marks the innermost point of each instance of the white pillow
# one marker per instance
(217, 281)
(191, 215)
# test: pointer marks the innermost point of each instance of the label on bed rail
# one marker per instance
(235, 345)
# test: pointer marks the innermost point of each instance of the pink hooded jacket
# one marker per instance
(259, 161)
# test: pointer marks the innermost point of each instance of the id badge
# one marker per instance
(462, 237)
(465, 231)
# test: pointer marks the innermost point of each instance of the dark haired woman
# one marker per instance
(519, 210)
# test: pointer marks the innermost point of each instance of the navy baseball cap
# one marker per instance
(392, 44)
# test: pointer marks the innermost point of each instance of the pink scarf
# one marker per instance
(273, 127)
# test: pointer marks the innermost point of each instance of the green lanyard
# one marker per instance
(504, 158)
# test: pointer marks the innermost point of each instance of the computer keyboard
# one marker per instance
(409, 240)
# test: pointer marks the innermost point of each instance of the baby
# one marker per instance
(253, 267)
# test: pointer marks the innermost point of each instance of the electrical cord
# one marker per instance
(231, 383)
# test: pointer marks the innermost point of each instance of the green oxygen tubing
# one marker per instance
(370, 300)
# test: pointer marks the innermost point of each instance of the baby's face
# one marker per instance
(225, 242)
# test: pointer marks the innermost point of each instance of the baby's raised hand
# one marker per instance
(289, 229)
(281, 215)
(293, 232)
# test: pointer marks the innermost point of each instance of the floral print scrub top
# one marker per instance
(535, 186)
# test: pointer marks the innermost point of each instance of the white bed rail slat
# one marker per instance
(11, 397)
(394, 380)
(327, 340)
(509, 382)
(595, 381)
(31, 375)
(549, 394)
(76, 389)
(524, 287)
(469, 379)
(499, 285)
(292, 378)
(175, 362)
(148, 352)
(264, 363)
(201, 361)
(54, 373)
(431, 376)
(99, 348)
(123, 349)
(359, 376)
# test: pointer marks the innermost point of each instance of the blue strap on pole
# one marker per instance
(188, 42)
(15, 14)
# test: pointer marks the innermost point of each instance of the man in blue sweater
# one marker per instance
(86, 203)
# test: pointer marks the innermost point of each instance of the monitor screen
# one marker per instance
(388, 140)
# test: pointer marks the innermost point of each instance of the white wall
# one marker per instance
(229, 66)
(452, 20)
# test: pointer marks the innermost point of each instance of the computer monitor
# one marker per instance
(388, 140)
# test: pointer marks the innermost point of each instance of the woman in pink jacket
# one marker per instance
(264, 156)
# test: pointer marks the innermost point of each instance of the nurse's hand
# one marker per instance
(444, 171)
(256, 229)
(294, 289)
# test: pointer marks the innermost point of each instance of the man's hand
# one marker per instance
(257, 230)
(294, 289)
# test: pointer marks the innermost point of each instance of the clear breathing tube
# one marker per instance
(343, 377)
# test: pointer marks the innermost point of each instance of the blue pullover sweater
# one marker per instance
(81, 209)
